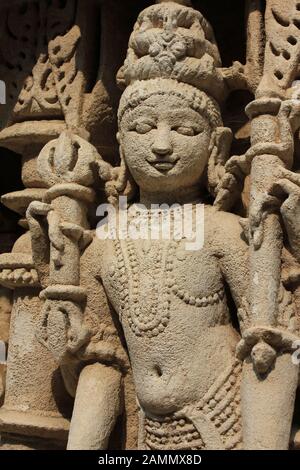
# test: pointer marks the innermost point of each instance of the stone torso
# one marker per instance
(172, 306)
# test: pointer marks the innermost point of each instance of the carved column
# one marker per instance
(58, 60)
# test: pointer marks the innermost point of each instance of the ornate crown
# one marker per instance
(171, 40)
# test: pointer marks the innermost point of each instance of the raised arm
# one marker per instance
(233, 254)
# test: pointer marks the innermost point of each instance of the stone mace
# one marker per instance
(265, 348)
(68, 166)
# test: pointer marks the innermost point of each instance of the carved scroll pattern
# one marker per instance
(26, 30)
(282, 47)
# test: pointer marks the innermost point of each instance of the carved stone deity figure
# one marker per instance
(210, 371)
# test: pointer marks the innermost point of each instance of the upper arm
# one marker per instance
(233, 253)
(99, 315)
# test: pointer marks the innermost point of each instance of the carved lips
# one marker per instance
(163, 165)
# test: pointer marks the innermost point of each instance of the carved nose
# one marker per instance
(162, 144)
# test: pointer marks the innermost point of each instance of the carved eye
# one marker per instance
(143, 127)
(185, 130)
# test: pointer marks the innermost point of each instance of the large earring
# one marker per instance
(219, 152)
(122, 183)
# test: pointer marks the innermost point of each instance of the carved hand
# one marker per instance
(270, 197)
(284, 195)
(36, 214)
(61, 328)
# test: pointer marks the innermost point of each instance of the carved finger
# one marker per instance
(239, 165)
(291, 176)
(292, 110)
(37, 208)
(283, 150)
(290, 215)
(72, 231)
(284, 187)
(259, 210)
(55, 234)
(265, 204)
(105, 169)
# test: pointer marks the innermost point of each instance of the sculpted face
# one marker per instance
(165, 143)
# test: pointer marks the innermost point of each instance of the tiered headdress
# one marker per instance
(172, 49)
(172, 41)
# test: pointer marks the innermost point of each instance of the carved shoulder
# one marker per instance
(105, 344)
(92, 257)
(225, 232)
(230, 247)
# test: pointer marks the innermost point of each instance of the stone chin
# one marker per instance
(153, 179)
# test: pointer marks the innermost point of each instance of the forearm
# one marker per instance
(96, 409)
(267, 404)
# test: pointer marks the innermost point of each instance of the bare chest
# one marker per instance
(147, 280)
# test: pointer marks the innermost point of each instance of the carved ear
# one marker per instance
(126, 184)
(219, 152)
(122, 183)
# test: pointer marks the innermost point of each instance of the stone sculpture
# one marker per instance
(207, 334)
